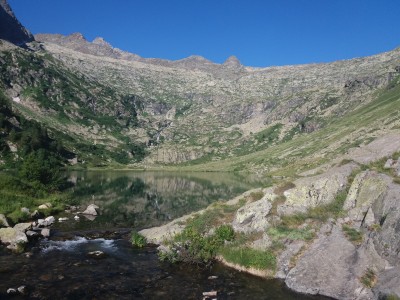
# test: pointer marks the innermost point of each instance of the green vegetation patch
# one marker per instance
(250, 258)
(285, 232)
(369, 278)
(138, 240)
(352, 234)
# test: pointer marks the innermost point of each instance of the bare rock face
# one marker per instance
(366, 188)
(254, 216)
(316, 190)
(10, 28)
(332, 267)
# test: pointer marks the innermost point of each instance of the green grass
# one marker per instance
(249, 258)
(301, 152)
(352, 234)
(284, 232)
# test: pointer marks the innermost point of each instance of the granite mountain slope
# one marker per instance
(120, 107)
(201, 111)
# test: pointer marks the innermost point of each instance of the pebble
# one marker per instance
(76, 218)
(212, 277)
(62, 219)
(23, 290)
(11, 291)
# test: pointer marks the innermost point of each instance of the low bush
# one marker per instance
(193, 246)
(138, 240)
(369, 278)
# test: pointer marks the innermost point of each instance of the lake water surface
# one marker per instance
(60, 268)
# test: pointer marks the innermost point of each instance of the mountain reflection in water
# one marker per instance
(146, 199)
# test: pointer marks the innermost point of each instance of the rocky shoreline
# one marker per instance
(352, 254)
(16, 238)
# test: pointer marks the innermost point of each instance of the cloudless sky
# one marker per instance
(259, 33)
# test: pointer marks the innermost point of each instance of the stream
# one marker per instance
(60, 267)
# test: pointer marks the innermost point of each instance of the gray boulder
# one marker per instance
(15, 239)
(366, 188)
(389, 164)
(333, 266)
(23, 227)
(45, 232)
(254, 216)
(3, 221)
(92, 210)
(25, 210)
(317, 190)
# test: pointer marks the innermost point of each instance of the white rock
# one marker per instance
(76, 218)
(3, 221)
(23, 227)
(91, 210)
(50, 220)
(11, 291)
(62, 219)
(45, 232)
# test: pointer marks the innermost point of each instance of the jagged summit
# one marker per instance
(232, 62)
(100, 41)
(10, 28)
(77, 36)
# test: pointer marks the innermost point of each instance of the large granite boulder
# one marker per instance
(316, 190)
(254, 215)
(15, 239)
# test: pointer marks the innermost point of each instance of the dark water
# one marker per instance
(60, 268)
(146, 199)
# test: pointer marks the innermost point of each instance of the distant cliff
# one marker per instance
(10, 28)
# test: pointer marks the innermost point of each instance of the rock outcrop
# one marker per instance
(316, 190)
(334, 266)
(254, 216)
(10, 28)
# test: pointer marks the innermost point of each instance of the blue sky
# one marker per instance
(259, 33)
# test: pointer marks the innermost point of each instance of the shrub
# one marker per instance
(369, 278)
(225, 232)
(194, 246)
(138, 240)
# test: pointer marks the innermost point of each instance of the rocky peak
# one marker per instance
(77, 36)
(232, 62)
(101, 42)
(10, 28)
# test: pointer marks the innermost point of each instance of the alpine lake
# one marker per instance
(60, 268)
